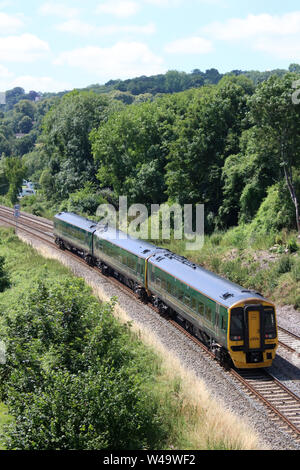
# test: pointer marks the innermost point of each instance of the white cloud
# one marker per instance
(4, 73)
(119, 8)
(9, 24)
(278, 35)
(23, 48)
(284, 48)
(164, 3)
(58, 9)
(78, 27)
(254, 25)
(176, 3)
(123, 60)
(42, 84)
(191, 45)
(9, 80)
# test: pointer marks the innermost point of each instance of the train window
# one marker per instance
(223, 323)
(208, 313)
(158, 281)
(180, 295)
(152, 277)
(193, 303)
(201, 308)
(131, 263)
(169, 287)
(187, 301)
(164, 284)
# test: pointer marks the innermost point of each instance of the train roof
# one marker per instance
(211, 285)
(215, 287)
(77, 221)
(136, 246)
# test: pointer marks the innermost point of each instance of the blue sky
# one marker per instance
(63, 44)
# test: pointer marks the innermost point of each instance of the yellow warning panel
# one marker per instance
(254, 329)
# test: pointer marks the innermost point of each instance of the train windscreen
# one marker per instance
(237, 324)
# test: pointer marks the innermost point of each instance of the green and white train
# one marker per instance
(238, 325)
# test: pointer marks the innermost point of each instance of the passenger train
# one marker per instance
(238, 325)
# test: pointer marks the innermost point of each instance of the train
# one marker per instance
(238, 325)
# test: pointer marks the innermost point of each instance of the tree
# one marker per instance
(273, 111)
(65, 139)
(4, 279)
(25, 125)
(207, 133)
(15, 172)
(26, 108)
(74, 378)
(246, 177)
(130, 150)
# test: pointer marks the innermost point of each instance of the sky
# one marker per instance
(60, 45)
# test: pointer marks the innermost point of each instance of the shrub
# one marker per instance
(296, 271)
(284, 265)
(74, 378)
(4, 279)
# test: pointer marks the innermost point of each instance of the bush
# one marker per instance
(296, 271)
(4, 279)
(74, 378)
(276, 211)
(284, 265)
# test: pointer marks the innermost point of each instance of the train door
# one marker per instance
(254, 326)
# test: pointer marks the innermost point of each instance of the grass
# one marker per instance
(5, 418)
(196, 420)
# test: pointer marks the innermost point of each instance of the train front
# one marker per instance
(252, 334)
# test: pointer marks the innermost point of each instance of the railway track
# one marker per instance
(283, 405)
(289, 341)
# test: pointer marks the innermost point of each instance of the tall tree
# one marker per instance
(65, 139)
(273, 111)
(15, 172)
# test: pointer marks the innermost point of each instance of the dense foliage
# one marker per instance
(72, 378)
(4, 278)
(224, 141)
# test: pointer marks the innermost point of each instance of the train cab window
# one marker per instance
(270, 325)
(237, 324)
